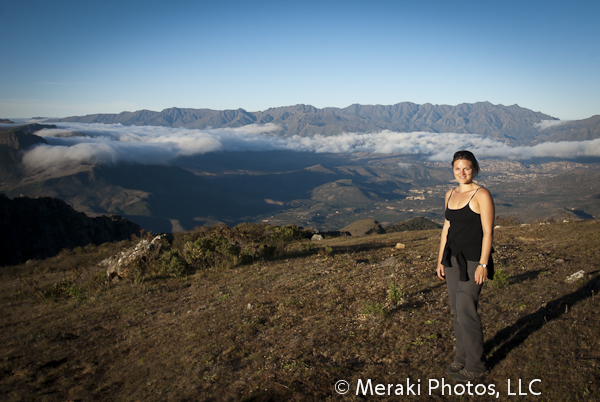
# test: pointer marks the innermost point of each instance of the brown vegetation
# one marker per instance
(291, 318)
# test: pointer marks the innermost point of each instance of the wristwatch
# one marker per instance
(484, 265)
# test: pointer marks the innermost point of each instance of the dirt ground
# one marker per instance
(295, 327)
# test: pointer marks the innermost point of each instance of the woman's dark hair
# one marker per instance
(467, 156)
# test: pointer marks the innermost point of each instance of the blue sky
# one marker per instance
(63, 58)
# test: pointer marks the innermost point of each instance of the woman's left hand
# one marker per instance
(480, 275)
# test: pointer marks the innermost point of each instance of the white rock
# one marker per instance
(577, 275)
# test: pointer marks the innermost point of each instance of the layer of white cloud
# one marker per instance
(544, 124)
(107, 144)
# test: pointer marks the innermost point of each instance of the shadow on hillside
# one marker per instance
(511, 337)
(360, 248)
(416, 302)
(334, 250)
(514, 279)
(432, 288)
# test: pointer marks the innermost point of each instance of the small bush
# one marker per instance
(422, 340)
(284, 235)
(172, 263)
(213, 250)
(309, 247)
(500, 279)
(374, 309)
(221, 246)
(62, 290)
(326, 251)
(394, 294)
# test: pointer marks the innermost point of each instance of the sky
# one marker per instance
(69, 58)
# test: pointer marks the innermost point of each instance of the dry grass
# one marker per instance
(290, 327)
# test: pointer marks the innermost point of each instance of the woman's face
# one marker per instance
(463, 171)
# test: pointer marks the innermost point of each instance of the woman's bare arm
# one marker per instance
(486, 211)
(441, 271)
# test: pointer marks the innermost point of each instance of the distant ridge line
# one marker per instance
(512, 124)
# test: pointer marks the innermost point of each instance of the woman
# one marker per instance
(465, 263)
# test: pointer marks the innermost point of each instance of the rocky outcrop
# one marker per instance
(13, 140)
(41, 227)
(22, 137)
(123, 264)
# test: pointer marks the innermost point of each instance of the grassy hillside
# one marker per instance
(290, 326)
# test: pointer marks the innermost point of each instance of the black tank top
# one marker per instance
(465, 235)
(465, 229)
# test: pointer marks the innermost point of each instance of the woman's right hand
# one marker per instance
(441, 271)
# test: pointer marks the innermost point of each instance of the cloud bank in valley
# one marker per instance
(544, 124)
(75, 143)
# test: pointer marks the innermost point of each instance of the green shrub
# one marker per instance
(326, 250)
(283, 235)
(309, 247)
(500, 279)
(62, 290)
(374, 309)
(221, 246)
(212, 251)
(172, 263)
(395, 295)
(74, 291)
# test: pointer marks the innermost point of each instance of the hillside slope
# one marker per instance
(41, 228)
(577, 130)
(292, 326)
(13, 141)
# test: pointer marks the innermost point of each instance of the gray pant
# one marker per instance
(464, 297)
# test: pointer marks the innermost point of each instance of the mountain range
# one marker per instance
(325, 191)
(511, 124)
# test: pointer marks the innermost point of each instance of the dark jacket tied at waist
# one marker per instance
(462, 256)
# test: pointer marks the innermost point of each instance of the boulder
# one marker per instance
(576, 276)
(124, 263)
